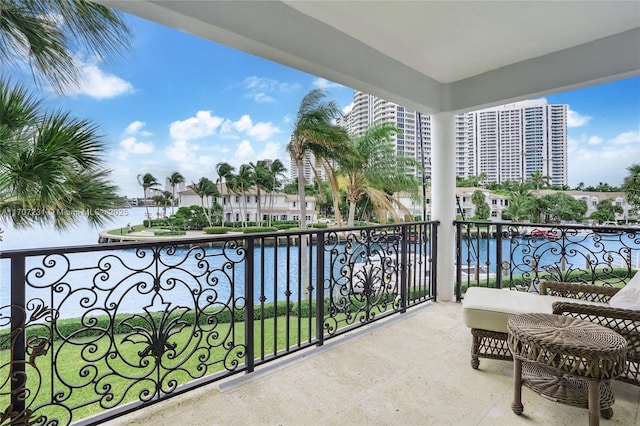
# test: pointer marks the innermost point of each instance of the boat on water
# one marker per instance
(540, 233)
(545, 233)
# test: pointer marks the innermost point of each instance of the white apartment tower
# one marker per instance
(509, 142)
(369, 109)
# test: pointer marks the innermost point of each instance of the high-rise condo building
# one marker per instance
(511, 142)
(508, 142)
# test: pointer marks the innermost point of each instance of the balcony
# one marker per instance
(88, 333)
(122, 332)
(412, 369)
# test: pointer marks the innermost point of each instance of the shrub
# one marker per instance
(281, 226)
(168, 232)
(256, 229)
(216, 229)
(318, 225)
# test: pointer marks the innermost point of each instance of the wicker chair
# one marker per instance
(623, 321)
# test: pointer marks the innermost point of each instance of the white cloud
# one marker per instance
(262, 89)
(136, 128)
(322, 83)
(245, 153)
(347, 109)
(203, 124)
(183, 153)
(263, 131)
(261, 98)
(130, 144)
(260, 131)
(627, 138)
(595, 140)
(593, 159)
(243, 124)
(195, 146)
(97, 83)
(574, 119)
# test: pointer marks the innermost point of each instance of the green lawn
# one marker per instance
(85, 378)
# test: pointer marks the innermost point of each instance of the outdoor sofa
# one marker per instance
(487, 310)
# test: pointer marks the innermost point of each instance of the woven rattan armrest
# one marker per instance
(623, 321)
(594, 293)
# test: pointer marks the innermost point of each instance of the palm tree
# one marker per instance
(277, 169)
(50, 33)
(244, 180)
(50, 165)
(262, 180)
(631, 185)
(174, 179)
(377, 172)
(225, 172)
(166, 198)
(539, 180)
(147, 181)
(159, 200)
(205, 188)
(520, 189)
(519, 208)
(314, 132)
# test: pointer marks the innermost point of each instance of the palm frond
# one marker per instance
(45, 32)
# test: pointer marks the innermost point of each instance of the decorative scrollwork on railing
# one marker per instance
(92, 328)
(136, 323)
(556, 253)
(367, 270)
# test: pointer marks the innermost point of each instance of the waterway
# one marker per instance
(214, 276)
(82, 233)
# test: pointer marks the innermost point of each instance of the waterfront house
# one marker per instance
(277, 205)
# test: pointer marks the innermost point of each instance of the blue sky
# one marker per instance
(175, 102)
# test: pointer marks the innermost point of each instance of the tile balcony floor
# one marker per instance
(412, 369)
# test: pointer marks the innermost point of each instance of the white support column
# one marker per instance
(443, 199)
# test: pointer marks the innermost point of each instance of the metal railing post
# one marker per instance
(18, 337)
(434, 260)
(498, 256)
(320, 287)
(404, 271)
(248, 305)
(458, 261)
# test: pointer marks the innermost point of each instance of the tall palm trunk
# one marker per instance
(259, 218)
(173, 201)
(146, 207)
(222, 197)
(233, 213)
(244, 201)
(301, 196)
(271, 197)
(304, 279)
(205, 212)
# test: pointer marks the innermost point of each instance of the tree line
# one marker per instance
(361, 170)
(527, 205)
(263, 176)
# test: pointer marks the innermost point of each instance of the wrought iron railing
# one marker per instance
(89, 333)
(518, 256)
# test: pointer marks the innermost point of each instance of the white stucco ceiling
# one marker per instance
(427, 55)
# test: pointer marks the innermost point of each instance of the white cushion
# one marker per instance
(629, 296)
(490, 308)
